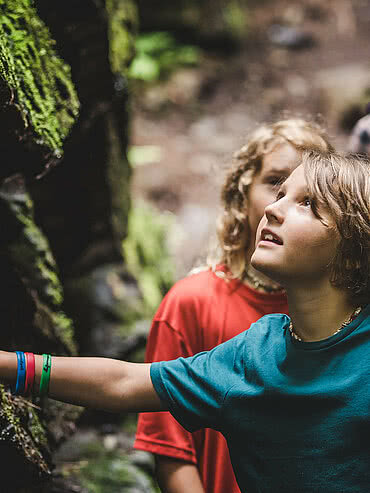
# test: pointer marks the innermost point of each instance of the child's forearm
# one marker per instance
(100, 383)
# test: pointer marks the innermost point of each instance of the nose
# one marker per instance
(273, 213)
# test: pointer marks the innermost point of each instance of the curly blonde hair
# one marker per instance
(340, 184)
(232, 228)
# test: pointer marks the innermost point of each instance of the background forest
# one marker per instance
(118, 119)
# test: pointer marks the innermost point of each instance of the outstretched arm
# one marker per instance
(100, 383)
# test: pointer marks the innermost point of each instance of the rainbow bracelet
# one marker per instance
(45, 375)
(21, 373)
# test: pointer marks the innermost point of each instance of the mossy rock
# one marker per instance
(36, 83)
(23, 438)
(122, 27)
(33, 320)
(26, 249)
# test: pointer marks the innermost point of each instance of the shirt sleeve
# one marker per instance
(159, 433)
(195, 388)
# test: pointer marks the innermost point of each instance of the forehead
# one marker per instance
(296, 181)
(283, 159)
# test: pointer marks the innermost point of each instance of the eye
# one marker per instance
(279, 195)
(307, 202)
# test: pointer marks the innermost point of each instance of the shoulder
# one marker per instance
(268, 331)
(273, 320)
(189, 303)
(196, 286)
(200, 279)
(269, 326)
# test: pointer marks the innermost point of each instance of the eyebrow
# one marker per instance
(278, 171)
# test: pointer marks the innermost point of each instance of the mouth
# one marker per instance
(269, 236)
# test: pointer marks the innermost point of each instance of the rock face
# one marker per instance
(38, 106)
(63, 101)
(83, 205)
(38, 100)
(32, 319)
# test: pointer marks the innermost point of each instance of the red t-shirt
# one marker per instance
(198, 313)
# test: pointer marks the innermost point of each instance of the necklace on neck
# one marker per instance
(344, 324)
(259, 284)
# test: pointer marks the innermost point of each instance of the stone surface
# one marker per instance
(38, 101)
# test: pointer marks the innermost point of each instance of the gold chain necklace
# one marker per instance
(258, 284)
(344, 324)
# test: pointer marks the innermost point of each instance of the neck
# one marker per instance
(260, 282)
(317, 312)
(263, 281)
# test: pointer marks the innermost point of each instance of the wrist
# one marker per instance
(8, 367)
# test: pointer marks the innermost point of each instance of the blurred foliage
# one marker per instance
(141, 155)
(158, 54)
(147, 254)
(234, 13)
(217, 25)
(109, 471)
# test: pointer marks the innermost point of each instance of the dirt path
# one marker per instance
(201, 116)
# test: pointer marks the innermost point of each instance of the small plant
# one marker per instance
(158, 54)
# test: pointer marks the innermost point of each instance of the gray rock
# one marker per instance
(289, 37)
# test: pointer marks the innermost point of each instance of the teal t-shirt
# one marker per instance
(296, 415)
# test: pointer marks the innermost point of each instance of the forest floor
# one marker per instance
(200, 116)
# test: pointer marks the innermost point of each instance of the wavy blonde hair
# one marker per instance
(232, 227)
(340, 185)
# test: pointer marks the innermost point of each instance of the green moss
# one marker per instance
(40, 82)
(31, 251)
(31, 254)
(64, 328)
(123, 25)
(118, 174)
(20, 426)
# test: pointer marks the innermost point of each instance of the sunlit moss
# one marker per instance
(123, 25)
(39, 81)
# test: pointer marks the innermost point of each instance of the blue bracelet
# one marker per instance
(21, 373)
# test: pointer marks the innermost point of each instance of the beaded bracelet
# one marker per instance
(45, 375)
(21, 373)
(30, 373)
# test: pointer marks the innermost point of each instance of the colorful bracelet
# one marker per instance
(45, 375)
(21, 373)
(30, 373)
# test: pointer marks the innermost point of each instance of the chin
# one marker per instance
(266, 268)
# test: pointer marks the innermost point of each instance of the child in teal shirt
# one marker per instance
(291, 395)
